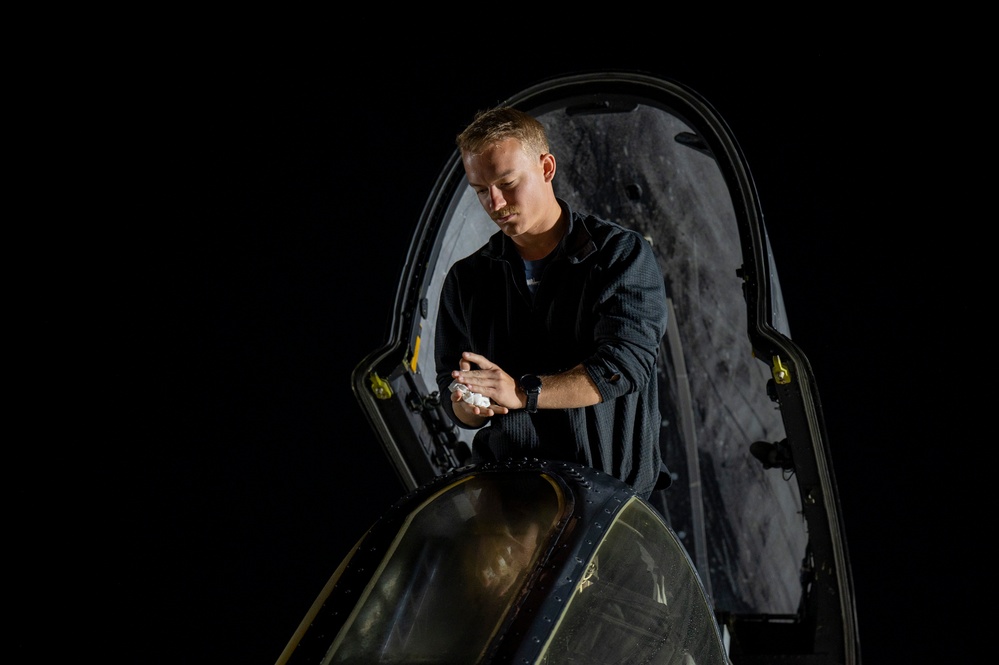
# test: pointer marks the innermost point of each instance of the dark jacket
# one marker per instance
(602, 302)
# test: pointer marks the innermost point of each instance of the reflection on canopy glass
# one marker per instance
(451, 574)
(639, 602)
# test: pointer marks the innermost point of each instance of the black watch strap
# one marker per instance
(531, 385)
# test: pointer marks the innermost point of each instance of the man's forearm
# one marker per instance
(571, 389)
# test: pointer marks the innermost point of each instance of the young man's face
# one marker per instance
(513, 187)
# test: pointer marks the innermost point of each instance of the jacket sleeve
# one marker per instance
(450, 338)
(631, 318)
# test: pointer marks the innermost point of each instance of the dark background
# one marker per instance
(273, 204)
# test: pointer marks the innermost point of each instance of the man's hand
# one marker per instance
(489, 381)
(470, 414)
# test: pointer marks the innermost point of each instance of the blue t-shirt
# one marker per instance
(533, 270)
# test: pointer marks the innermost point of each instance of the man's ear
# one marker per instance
(548, 166)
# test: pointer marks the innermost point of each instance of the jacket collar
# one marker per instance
(576, 245)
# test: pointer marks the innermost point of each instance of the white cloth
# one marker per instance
(475, 399)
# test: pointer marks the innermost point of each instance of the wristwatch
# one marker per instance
(531, 385)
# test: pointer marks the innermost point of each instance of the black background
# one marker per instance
(270, 205)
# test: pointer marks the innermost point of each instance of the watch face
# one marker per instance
(530, 383)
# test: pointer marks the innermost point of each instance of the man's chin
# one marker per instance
(511, 229)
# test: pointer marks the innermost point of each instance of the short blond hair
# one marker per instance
(498, 124)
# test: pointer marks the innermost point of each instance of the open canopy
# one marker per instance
(753, 500)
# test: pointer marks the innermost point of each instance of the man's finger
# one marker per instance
(481, 361)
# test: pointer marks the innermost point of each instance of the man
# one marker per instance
(553, 325)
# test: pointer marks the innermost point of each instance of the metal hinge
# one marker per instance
(782, 374)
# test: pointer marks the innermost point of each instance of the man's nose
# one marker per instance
(496, 200)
